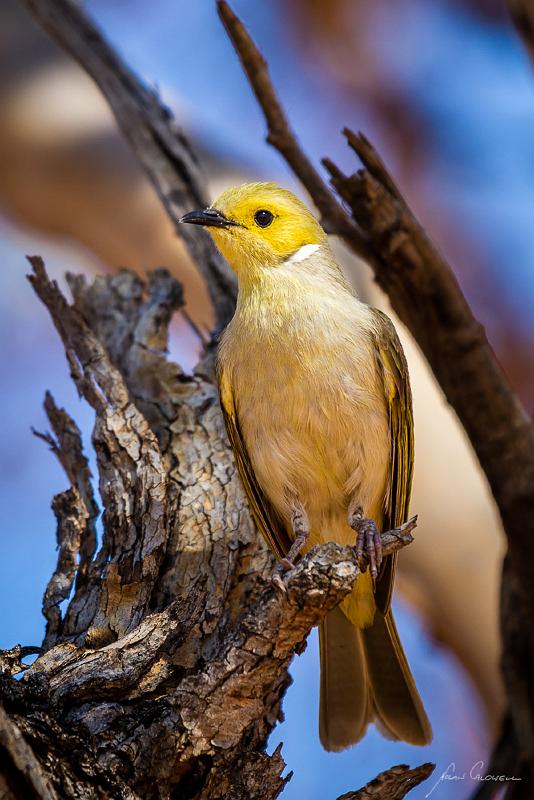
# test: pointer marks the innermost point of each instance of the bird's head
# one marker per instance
(257, 226)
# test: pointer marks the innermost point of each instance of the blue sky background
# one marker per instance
(471, 83)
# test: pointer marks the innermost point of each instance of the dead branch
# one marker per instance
(11, 660)
(280, 135)
(393, 784)
(72, 519)
(133, 491)
(67, 446)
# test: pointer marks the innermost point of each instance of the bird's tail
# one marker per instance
(365, 677)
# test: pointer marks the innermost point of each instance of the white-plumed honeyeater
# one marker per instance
(315, 393)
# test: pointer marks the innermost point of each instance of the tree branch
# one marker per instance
(133, 489)
(522, 13)
(67, 446)
(162, 149)
(393, 784)
(274, 624)
(11, 661)
(280, 135)
(426, 295)
(72, 529)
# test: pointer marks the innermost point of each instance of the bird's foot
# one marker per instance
(283, 566)
(368, 541)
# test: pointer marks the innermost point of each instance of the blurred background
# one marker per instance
(446, 93)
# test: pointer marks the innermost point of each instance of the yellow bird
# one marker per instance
(316, 398)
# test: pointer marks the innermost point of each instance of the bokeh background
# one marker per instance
(446, 93)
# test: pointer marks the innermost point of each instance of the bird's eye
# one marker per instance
(263, 218)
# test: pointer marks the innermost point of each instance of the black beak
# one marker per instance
(209, 217)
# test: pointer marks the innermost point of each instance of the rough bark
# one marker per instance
(393, 783)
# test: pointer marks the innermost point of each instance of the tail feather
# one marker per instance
(345, 701)
(365, 677)
(397, 705)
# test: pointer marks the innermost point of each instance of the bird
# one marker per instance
(316, 399)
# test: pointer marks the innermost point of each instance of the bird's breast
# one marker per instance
(311, 409)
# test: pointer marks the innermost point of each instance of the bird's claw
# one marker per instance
(368, 543)
(284, 565)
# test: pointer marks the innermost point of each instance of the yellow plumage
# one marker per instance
(315, 393)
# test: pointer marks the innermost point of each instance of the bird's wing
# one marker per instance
(267, 519)
(394, 369)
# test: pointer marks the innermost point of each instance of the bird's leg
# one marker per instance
(301, 531)
(368, 539)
